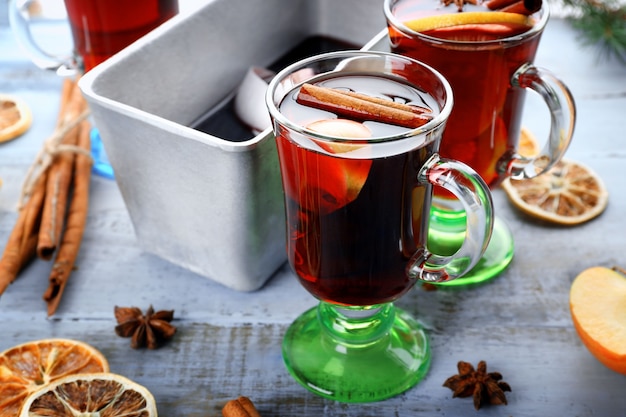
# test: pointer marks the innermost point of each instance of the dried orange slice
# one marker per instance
(27, 367)
(15, 117)
(570, 193)
(97, 394)
(441, 21)
(598, 308)
(528, 145)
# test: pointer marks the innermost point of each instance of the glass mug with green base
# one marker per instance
(357, 200)
(490, 68)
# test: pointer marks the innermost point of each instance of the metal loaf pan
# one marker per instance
(208, 204)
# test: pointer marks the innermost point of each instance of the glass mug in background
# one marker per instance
(357, 200)
(489, 68)
(100, 29)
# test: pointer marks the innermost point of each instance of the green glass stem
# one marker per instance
(356, 354)
(446, 233)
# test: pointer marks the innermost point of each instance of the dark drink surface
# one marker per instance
(101, 28)
(485, 122)
(222, 120)
(354, 219)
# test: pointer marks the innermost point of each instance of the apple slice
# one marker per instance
(342, 128)
(598, 308)
(324, 183)
(342, 178)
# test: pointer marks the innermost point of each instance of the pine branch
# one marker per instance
(603, 24)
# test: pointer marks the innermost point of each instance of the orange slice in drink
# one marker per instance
(96, 394)
(570, 193)
(15, 117)
(27, 367)
(441, 21)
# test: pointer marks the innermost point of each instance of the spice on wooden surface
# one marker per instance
(355, 106)
(58, 178)
(145, 330)
(241, 407)
(75, 223)
(484, 387)
(21, 246)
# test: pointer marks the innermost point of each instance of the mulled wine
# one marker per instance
(357, 136)
(101, 28)
(486, 52)
(354, 221)
(483, 129)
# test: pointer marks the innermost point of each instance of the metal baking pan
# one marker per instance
(210, 204)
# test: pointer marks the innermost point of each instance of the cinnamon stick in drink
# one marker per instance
(389, 103)
(525, 7)
(355, 107)
(75, 224)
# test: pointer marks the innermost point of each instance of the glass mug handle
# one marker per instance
(563, 117)
(474, 195)
(23, 13)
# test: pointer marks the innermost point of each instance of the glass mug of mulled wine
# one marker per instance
(357, 135)
(99, 29)
(490, 67)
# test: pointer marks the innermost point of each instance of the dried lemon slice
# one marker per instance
(99, 394)
(15, 117)
(441, 21)
(569, 193)
(27, 367)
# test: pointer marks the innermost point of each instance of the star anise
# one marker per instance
(486, 388)
(459, 3)
(148, 329)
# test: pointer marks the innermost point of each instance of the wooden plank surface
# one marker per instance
(228, 343)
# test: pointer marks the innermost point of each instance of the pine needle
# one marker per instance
(602, 24)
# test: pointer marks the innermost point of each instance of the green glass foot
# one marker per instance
(447, 230)
(356, 355)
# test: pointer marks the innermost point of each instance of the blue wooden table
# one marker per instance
(228, 342)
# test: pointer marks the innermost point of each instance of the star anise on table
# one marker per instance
(486, 388)
(459, 3)
(149, 329)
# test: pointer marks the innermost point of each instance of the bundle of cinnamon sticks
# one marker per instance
(54, 203)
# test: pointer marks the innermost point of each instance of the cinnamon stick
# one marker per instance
(60, 173)
(75, 224)
(22, 243)
(241, 407)
(395, 105)
(357, 107)
(499, 4)
(525, 7)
